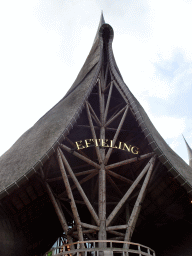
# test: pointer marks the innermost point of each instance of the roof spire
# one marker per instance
(101, 22)
(189, 152)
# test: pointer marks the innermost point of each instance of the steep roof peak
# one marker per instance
(189, 150)
(101, 22)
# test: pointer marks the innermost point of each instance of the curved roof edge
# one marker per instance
(70, 107)
(176, 165)
(90, 68)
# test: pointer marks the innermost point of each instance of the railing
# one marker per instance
(101, 247)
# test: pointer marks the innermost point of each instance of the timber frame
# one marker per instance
(104, 121)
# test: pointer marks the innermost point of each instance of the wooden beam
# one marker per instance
(128, 161)
(127, 194)
(114, 185)
(87, 231)
(108, 102)
(128, 181)
(82, 193)
(93, 133)
(59, 213)
(94, 115)
(76, 174)
(106, 74)
(66, 209)
(116, 233)
(135, 212)
(116, 136)
(70, 195)
(118, 227)
(114, 117)
(85, 225)
(102, 235)
(74, 146)
(107, 86)
(87, 160)
(81, 182)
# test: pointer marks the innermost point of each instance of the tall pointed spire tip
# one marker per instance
(189, 150)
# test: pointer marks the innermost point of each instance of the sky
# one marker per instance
(44, 43)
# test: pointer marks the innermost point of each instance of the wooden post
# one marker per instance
(70, 195)
(59, 213)
(102, 175)
(94, 115)
(108, 101)
(127, 194)
(135, 212)
(82, 193)
(93, 133)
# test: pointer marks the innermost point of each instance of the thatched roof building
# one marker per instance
(29, 223)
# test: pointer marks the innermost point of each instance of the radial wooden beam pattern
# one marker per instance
(92, 170)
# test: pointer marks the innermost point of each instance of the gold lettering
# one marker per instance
(120, 144)
(103, 143)
(96, 142)
(125, 146)
(79, 146)
(136, 151)
(87, 143)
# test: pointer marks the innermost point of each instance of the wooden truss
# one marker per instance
(101, 223)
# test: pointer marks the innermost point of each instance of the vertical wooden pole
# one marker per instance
(93, 132)
(82, 193)
(70, 195)
(102, 174)
(59, 213)
(137, 207)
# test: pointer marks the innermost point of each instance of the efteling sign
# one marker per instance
(106, 144)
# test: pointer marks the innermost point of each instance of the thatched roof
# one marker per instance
(35, 146)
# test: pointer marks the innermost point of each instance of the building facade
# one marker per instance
(95, 172)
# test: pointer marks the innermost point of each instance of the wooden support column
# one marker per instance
(93, 133)
(59, 213)
(94, 115)
(70, 195)
(102, 174)
(82, 193)
(127, 194)
(108, 101)
(135, 213)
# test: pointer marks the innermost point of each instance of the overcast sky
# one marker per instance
(44, 43)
